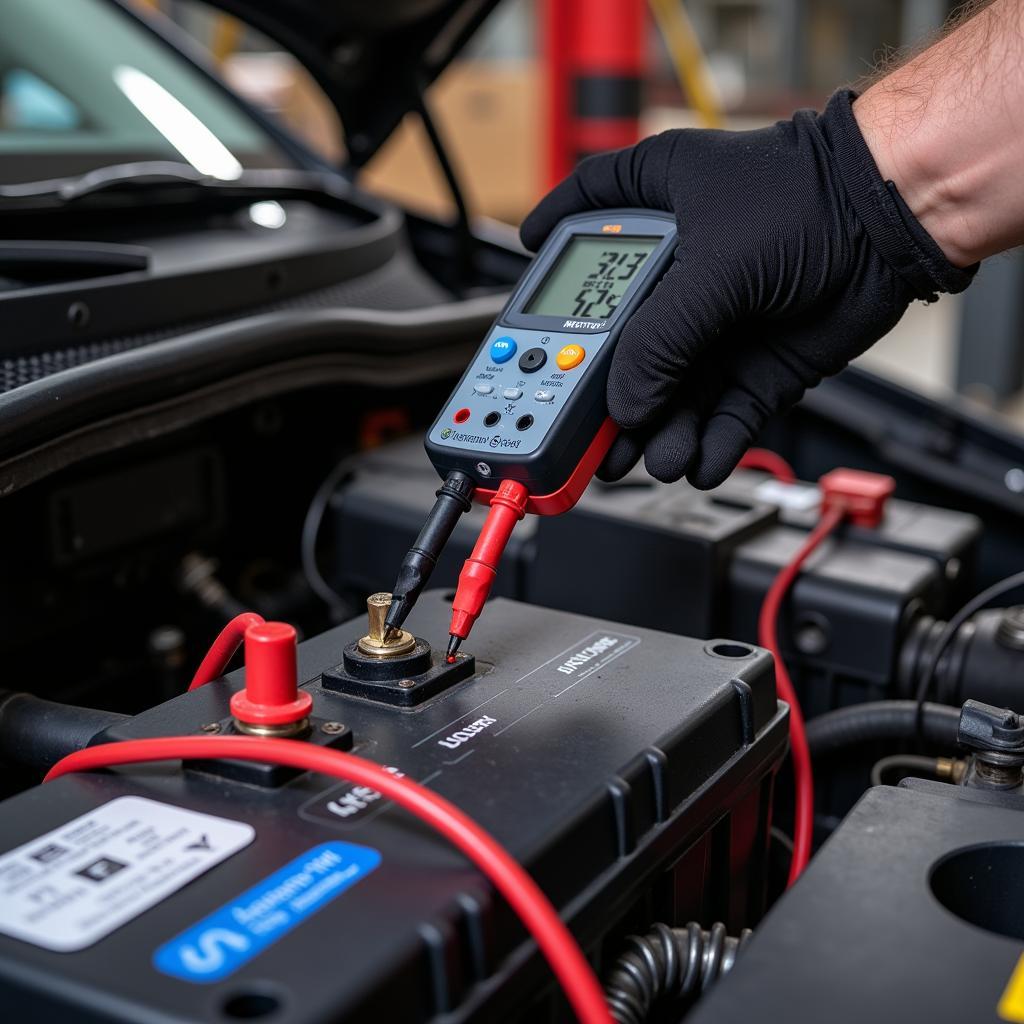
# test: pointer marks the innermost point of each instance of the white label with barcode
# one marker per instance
(71, 887)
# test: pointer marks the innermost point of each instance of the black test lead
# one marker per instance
(454, 497)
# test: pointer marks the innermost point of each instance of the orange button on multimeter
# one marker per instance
(570, 356)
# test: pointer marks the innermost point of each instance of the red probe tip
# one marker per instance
(453, 648)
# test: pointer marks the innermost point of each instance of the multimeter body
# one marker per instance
(532, 401)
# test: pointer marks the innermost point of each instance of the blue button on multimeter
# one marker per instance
(503, 349)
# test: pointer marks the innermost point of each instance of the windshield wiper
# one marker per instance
(155, 175)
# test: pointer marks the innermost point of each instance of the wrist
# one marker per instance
(920, 167)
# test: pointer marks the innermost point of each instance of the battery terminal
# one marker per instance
(381, 640)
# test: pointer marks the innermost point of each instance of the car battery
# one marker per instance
(698, 563)
(630, 771)
(910, 912)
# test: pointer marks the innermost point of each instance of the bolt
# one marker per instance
(332, 728)
(811, 638)
(210, 727)
(406, 684)
(995, 775)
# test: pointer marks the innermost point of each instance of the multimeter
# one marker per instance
(527, 425)
(532, 401)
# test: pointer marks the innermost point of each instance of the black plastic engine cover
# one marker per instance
(910, 912)
(628, 770)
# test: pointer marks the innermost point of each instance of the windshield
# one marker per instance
(84, 85)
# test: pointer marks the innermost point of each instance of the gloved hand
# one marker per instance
(794, 256)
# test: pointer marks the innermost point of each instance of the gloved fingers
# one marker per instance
(725, 438)
(623, 455)
(672, 448)
(765, 378)
(670, 332)
(637, 176)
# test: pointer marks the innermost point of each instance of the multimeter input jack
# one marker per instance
(492, 419)
(524, 422)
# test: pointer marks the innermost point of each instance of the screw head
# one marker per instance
(332, 728)
(210, 727)
(406, 684)
(483, 469)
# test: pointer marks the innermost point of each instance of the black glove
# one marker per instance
(794, 256)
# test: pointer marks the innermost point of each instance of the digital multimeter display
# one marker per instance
(591, 277)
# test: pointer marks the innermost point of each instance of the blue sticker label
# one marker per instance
(231, 936)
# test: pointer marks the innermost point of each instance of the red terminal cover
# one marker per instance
(271, 695)
(859, 495)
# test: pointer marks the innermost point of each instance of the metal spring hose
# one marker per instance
(668, 964)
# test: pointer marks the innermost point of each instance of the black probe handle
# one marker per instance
(454, 498)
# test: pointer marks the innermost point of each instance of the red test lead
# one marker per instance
(508, 506)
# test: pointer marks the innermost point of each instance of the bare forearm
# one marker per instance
(948, 129)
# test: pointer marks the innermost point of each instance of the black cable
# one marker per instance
(311, 531)
(950, 630)
(668, 965)
(907, 763)
(454, 498)
(879, 720)
(465, 243)
(37, 733)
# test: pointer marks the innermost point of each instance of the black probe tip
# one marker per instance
(453, 648)
(395, 617)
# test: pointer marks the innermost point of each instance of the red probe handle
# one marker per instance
(571, 491)
(508, 506)
(509, 503)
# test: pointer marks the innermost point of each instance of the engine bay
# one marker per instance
(234, 788)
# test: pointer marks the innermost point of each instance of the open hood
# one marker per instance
(371, 57)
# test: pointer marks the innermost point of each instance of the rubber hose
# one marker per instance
(884, 719)
(668, 965)
(37, 733)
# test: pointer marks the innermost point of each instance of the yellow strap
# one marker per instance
(688, 59)
(1011, 1005)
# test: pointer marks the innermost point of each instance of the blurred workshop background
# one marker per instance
(546, 81)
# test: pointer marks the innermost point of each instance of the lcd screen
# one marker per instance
(590, 277)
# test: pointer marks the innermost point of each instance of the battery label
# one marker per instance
(231, 936)
(71, 887)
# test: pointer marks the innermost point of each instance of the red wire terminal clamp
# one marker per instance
(846, 494)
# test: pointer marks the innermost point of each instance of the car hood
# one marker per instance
(372, 58)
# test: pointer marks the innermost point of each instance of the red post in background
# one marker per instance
(593, 52)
